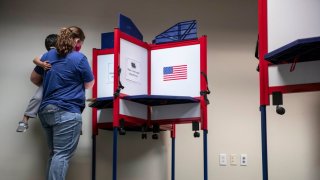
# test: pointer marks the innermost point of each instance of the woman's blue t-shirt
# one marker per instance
(63, 84)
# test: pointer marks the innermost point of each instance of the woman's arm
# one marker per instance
(86, 73)
(89, 85)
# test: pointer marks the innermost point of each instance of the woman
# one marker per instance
(63, 98)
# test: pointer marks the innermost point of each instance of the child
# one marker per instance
(35, 101)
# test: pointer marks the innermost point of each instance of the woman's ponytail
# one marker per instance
(66, 39)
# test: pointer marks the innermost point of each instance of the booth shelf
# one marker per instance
(158, 100)
(300, 50)
(102, 103)
(133, 127)
(151, 100)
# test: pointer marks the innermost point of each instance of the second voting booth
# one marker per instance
(150, 87)
(289, 55)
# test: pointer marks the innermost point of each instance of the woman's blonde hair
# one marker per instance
(66, 39)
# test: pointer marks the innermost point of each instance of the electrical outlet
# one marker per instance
(233, 159)
(243, 160)
(223, 159)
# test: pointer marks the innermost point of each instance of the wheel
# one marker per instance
(143, 136)
(155, 136)
(122, 131)
(280, 110)
(196, 134)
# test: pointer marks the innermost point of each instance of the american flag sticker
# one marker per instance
(175, 72)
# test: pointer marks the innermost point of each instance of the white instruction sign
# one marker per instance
(133, 70)
(110, 73)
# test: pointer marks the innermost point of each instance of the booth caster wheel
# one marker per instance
(196, 134)
(122, 131)
(143, 136)
(280, 110)
(155, 136)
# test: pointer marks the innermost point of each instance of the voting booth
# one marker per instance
(146, 87)
(289, 54)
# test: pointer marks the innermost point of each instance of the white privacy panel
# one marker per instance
(190, 110)
(134, 68)
(289, 20)
(133, 109)
(105, 75)
(105, 115)
(304, 73)
(176, 71)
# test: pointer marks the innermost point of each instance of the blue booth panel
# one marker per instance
(107, 40)
(127, 26)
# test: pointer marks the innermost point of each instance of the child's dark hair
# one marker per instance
(51, 41)
(66, 39)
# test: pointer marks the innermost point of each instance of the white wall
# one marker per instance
(234, 119)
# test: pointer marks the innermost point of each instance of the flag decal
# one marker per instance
(175, 72)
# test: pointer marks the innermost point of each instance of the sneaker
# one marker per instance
(22, 127)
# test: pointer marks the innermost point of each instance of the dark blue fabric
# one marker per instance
(63, 84)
